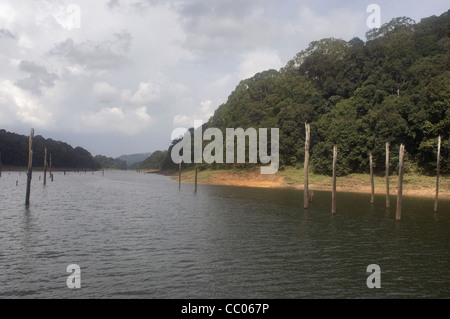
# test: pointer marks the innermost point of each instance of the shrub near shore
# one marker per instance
(290, 177)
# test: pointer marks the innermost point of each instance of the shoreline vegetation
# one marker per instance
(415, 185)
(58, 169)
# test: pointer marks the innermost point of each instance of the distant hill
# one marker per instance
(154, 161)
(123, 162)
(109, 162)
(134, 158)
(14, 152)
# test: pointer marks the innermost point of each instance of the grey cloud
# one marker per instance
(113, 3)
(6, 33)
(38, 77)
(95, 55)
(122, 41)
(221, 26)
(192, 10)
(224, 26)
(146, 4)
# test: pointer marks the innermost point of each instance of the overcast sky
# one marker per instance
(116, 77)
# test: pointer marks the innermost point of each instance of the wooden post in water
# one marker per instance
(45, 166)
(179, 175)
(50, 168)
(30, 168)
(333, 194)
(398, 214)
(306, 198)
(388, 202)
(0, 164)
(437, 174)
(372, 197)
(196, 179)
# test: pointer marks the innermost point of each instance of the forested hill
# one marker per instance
(395, 87)
(14, 152)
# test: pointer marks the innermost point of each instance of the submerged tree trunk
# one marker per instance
(372, 197)
(179, 175)
(50, 168)
(387, 176)
(306, 197)
(196, 179)
(45, 166)
(333, 195)
(437, 174)
(30, 168)
(398, 214)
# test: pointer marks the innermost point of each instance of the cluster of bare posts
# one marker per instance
(308, 196)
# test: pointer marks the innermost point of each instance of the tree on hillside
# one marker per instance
(357, 95)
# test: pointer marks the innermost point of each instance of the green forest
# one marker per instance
(14, 152)
(154, 161)
(109, 162)
(357, 95)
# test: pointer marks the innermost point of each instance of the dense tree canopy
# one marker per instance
(109, 162)
(154, 161)
(357, 95)
(14, 152)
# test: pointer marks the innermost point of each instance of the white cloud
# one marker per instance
(339, 22)
(93, 55)
(223, 81)
(131, 111)
(201, 114)
(17, 105)
(104, 92)
(206, 108)
(69, 17)
(113, 119)
(7, 15)
(147, 93)
(183, 121)
(258, 61)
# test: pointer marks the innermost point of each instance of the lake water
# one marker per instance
(138, 236)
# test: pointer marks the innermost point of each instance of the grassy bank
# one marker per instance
(414, 184)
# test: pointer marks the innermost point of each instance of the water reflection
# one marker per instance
(140, 236)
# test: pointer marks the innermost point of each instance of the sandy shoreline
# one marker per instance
(351, 183)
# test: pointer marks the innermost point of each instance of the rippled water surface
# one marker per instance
(138, 236)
